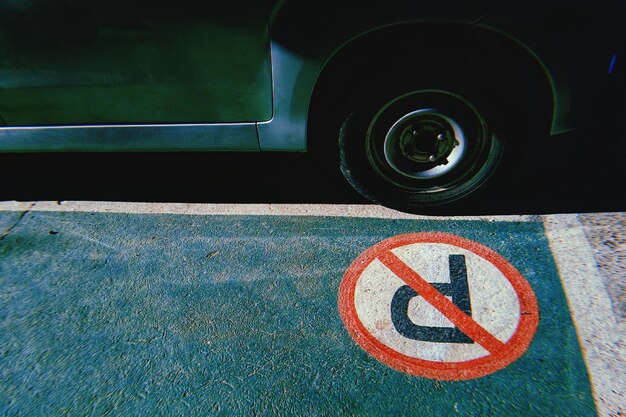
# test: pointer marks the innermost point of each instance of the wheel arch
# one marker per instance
(330, 86)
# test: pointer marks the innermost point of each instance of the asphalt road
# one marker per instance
(190, 309)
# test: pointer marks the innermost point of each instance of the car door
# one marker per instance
(134, 62)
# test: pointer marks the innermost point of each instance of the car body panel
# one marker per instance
(92, 62)
(263, 79)
(129, 138)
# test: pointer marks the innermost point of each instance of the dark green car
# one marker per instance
(426, 100)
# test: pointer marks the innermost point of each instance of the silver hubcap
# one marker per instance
(424, 144)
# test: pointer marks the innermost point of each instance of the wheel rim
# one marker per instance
(432, 144)
(424, 144)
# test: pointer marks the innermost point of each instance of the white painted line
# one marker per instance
(331, 210)
(600, 335)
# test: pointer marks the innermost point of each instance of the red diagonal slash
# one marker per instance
(465, 323)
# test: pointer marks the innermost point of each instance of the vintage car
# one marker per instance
(422, 101)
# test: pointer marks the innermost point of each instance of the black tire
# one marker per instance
(390, 163)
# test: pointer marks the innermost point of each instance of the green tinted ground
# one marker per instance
(234, 315)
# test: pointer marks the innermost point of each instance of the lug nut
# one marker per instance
(432, 158)
(441, 136)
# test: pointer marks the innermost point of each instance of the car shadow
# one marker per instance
(568, 174)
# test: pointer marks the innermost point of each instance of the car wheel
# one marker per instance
(421, 149)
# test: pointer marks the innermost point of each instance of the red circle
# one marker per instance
(512, 350)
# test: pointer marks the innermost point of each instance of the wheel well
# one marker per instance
(455, 49)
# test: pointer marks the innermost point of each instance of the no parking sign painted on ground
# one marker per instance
(438, 306)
